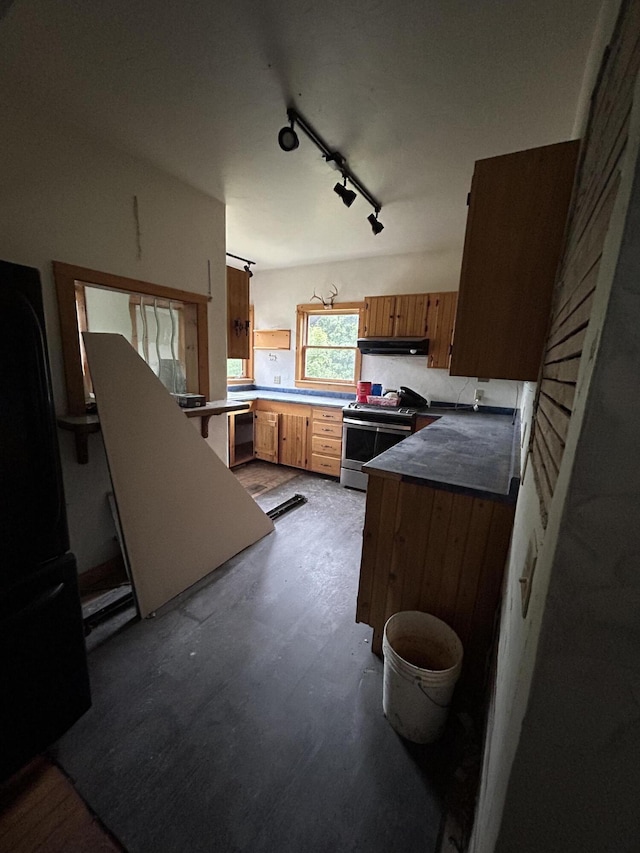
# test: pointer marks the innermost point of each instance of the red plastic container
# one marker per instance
(363, 390)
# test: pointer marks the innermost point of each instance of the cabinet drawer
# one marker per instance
(331, 415)
(325, 464)
(327, 428)
(326, 446)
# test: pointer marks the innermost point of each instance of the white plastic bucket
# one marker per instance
(422, 662)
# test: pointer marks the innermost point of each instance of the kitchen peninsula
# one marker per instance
(440, 508)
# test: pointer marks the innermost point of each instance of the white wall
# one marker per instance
(67, 197)
(275, 294)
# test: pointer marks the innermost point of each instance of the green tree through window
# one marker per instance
(328, 339)
(235, 368)
(325, 333)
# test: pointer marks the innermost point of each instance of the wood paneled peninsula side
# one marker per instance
(440, 508)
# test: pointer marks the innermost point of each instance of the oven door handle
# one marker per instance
(391, 428)
(394, 430)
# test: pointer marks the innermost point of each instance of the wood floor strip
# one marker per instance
(41, 812)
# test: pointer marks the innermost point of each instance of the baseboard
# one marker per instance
(105, 576)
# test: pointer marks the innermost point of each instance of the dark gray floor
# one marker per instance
(247, 715)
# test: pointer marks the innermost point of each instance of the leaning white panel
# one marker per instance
(183, 513)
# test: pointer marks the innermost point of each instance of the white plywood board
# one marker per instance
(183, 513)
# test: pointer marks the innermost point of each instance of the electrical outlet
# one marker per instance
(276, 380)
(478, 394)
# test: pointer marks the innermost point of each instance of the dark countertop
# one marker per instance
(463, 451)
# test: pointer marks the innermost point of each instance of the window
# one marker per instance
(240, 370)
(327, 356)
(167, 327)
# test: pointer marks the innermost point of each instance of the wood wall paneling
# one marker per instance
(456, 570)
(439, 552)
(377, 544)
(595, 194)
(486, 607)
(436, 545)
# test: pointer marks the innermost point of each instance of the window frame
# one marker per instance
(67, 276)
(303, 312)
(247, 377)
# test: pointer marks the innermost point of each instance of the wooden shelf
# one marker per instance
(215, 407)
(82, 425)
(272, 339)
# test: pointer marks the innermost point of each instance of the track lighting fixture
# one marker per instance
(347, 196)
(288, 141)
(247, 263)
(288, 138)
(376, 226)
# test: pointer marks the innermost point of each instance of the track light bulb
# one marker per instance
(347, 196)
(288, 139)
(247, 269)
(376, 226)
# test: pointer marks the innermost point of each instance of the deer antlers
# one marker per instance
(328, 302)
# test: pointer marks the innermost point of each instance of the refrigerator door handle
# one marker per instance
(33, 606)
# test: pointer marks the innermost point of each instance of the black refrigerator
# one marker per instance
(44, 684)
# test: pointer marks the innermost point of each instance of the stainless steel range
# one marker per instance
(368, 431)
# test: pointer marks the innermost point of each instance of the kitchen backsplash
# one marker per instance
(394, 371)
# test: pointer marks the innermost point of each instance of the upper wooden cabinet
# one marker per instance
(441, 315)
(379, 316)
(238, 323)
(515, 231)
(414, 315)
(395, 316)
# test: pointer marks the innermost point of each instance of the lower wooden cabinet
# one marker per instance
(241, 437)
(292, 440)
(265, 436)
(300, 436)
(326, 441)
(440, 552)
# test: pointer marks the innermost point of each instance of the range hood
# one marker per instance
(393, 346)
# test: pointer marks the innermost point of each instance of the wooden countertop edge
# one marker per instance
(218, 407)
(83, 425)
(387, 475)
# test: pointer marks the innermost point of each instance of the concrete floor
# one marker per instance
(246, 716)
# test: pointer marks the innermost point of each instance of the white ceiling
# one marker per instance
(410, 91)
